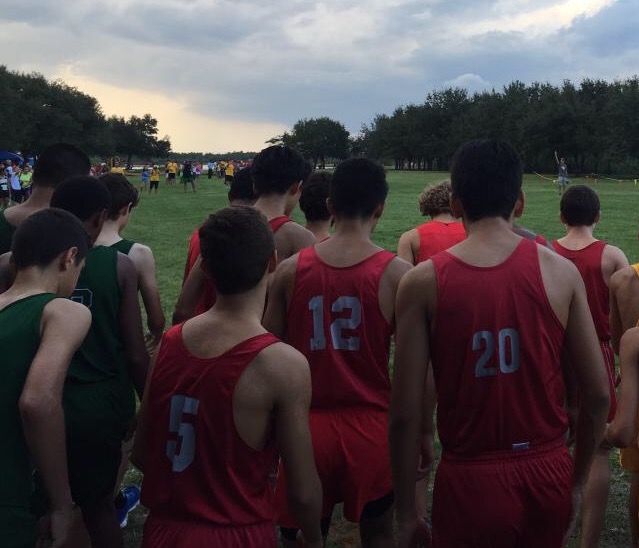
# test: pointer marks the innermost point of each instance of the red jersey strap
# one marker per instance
(588, 261)
(242, 352)
(278, 222)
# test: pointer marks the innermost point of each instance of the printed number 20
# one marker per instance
(181, 406)
(508, 339)
(316, 306)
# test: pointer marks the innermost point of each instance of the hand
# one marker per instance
(577, 496)
(426, 456)
(151, 342)
(54, 529)
(414, 534)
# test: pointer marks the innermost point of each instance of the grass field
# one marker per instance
(166, 220)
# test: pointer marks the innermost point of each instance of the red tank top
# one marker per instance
(209, 294)
(199, 469)
(335, 320)
(436, 236)
(496, 355)
(588, 262)
(277, 222)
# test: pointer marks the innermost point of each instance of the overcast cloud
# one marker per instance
(237, 72)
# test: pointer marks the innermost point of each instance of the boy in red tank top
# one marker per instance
(215, 408)
(335, 303)
(277, 173)
(596, 262)
(506, 477)
(441, 232)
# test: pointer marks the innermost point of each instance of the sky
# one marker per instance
(226, 75)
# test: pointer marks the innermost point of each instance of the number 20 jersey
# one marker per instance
(335, 320)
(496, 350)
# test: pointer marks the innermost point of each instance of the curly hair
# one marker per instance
(435, 199)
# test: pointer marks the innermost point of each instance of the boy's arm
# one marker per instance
(144, 261)
(141, 443)
(189, 296)
(63, 328)
(624, 303)
(405, 247)
(622, 431)
(275, 316)
(292, 403)
(130, 323)
(415, 299)
(584, 354)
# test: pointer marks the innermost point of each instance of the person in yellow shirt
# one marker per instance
(155, 179)
(171, 169)
(117, 168)
(229, 173)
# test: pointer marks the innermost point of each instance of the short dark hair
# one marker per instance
(42, 236)
(358, 187)
(579, 206)
(314, 193)
(486, 176)
(59, 162)
(276, 169)
(242, 187)
(236, 245)
(122, 193)
(82, 196)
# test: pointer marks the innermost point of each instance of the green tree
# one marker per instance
(138, 136)
(317, 139)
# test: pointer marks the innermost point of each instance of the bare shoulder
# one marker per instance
(282, 365)
(397, 268)
(286, 269)
(301, 235)
(68, 312)
(409, 236)
(615, 255)
(421, 274)
(141, 255)
(623, 277)
(553, 264)
(630, 340)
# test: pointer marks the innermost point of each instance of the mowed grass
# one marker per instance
(166, 220)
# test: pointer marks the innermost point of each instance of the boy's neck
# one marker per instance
(110, 233)
(33, 281)
(320, 229)
(272, 205)
(578, 236)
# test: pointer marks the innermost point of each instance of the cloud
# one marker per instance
(264, 65)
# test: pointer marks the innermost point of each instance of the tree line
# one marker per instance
(37, 113)
(593, 125)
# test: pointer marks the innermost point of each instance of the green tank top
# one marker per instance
(6, 233)
(101, 355)
(19, 340)
(123, 246)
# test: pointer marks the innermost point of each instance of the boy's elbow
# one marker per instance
(33, 407)
(624, 437)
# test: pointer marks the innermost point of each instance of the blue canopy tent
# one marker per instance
(6, 155)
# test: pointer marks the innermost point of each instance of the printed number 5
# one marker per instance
(507, 339)
(180, 406)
